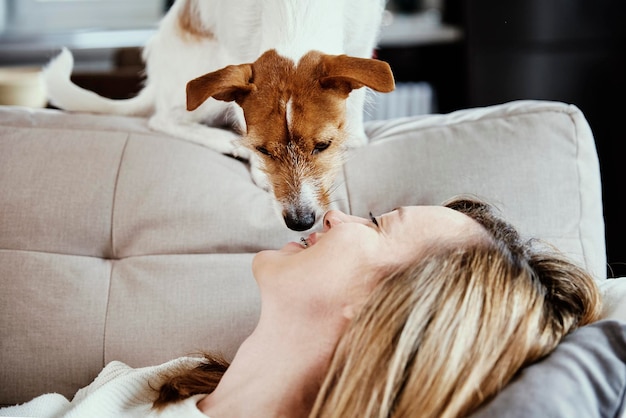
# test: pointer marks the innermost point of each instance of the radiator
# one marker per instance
(408, 99)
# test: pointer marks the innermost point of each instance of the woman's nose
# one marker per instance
(335, 217)
(332, 218)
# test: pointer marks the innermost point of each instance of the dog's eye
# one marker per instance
(321, 146)
(263, 151)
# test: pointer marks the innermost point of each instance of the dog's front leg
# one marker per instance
(221, 140)
(224, 141)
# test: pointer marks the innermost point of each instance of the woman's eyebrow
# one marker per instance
(400, 210)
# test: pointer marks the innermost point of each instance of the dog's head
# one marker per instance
(296, 120)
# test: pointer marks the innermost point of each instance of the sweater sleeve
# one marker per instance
(111, 371)
(45, 406)
(119, 391)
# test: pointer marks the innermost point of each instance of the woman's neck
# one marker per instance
(276, 372)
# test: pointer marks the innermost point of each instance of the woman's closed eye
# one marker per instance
(373, 219)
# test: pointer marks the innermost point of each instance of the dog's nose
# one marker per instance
(299, 221)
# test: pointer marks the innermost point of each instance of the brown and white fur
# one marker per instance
(285, 75)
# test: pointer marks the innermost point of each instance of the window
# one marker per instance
(28, 17)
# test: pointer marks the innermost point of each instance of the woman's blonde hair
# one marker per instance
(442, 335)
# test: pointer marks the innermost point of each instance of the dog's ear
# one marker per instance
(229, 84)
(344, 74)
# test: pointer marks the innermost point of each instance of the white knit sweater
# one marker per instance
(119, 391)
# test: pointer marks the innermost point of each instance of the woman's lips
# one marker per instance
(308, 241)
(312, 239)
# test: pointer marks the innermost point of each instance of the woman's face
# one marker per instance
(340, 263)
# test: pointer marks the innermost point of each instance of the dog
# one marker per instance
(280, 83)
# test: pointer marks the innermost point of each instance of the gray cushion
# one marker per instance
(584, 377)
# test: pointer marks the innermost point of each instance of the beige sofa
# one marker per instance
(119, 243)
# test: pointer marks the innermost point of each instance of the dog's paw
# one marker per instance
(357, 140)
(240, 152)
(260, 179)
(258, 175)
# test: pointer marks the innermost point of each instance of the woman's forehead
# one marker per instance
(428, 212)
(437, 220)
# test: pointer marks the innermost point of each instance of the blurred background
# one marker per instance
(446, 55)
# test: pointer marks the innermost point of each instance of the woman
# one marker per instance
(426, 311)
(435, 309)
